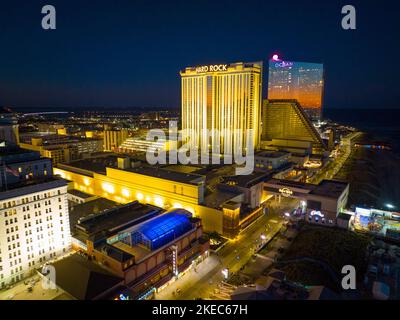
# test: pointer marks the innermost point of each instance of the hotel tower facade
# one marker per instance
(302, 81)
(225, 98)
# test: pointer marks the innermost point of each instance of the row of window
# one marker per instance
(12, 229)
(14, 254)
(10, 221)
(19, 269)
(13, 246)
(13, 238)
(26, 200)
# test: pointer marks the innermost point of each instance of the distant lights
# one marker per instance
(275, 57)
(263, 236)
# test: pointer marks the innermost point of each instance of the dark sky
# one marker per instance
(128, 53)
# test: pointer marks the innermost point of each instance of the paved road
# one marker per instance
(235, 254)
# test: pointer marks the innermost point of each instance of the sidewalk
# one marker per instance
(186, 282)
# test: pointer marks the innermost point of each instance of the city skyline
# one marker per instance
(115, 57)
(213, 150)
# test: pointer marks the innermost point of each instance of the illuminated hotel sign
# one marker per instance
(174, 250)
(283, 64)
(317, 213)
(212, 68)
(286, 192)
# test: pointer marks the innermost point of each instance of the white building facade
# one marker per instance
(34, 228)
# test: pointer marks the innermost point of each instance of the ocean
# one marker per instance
(382, 124)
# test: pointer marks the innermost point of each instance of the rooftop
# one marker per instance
(168, 174)
(30, 186)
(330, 188)
(217, 198)
(89, 208)
(15, 154)
(99, 165)
(113, 220)
(49, 139)
(96, 164)
(131, 251)
(327, 188)
(83, 279)
(80, 194)
(115, 251)
(291, 183)
(148, 236)
(271, 154)
(247, 181)
(166, 227)
(236, 66)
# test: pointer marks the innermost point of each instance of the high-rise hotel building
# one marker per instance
(226, 98)
(34, 218)
(114, 138)
(302, 81)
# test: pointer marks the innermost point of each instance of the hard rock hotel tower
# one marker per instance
(225, 98)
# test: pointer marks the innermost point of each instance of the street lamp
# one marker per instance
(389, 205)
(263, 236)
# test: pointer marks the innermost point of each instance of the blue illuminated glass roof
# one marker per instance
(166, 227)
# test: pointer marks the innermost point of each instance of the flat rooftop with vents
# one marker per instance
(100, 165)
(113, 220)
(141, 240)
(330, 188)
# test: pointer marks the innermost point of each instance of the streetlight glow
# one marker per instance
(263, 236)
(225, 273)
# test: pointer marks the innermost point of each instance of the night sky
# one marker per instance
(129, 53)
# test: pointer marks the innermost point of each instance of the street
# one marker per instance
(203, 282)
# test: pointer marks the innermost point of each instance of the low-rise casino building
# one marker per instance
(142, 244)
(223, 207)
(320, 203)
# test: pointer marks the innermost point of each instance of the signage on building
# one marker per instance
(316, 213)
(147, 294)
(174, 250)
(286, 192)
(212, 68)
(283, 64)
